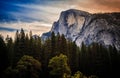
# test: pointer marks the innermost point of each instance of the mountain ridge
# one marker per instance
(81, 26)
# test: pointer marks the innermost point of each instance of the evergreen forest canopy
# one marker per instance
(56, 57)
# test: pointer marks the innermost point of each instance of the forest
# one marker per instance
(26, 56)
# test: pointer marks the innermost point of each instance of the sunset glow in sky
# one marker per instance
(38, 15)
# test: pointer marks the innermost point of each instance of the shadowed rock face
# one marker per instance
(80, 26)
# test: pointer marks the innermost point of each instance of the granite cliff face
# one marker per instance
(80, 26)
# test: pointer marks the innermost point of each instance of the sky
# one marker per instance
(39, 15)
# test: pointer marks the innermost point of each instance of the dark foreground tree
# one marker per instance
(27, 64)
(3, 56)
(27, 67)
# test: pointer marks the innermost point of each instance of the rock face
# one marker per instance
(80, 26)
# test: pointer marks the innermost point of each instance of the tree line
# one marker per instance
(30, 57)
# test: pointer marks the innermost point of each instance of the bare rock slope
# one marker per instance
(80, 26)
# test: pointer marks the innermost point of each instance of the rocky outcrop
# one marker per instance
(80, 26)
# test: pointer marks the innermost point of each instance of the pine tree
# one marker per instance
(22, 42)
(73, 56)
(38, 48)
(58, 43)
(53, 42)
(63, 45)
(83, 57)
(19, 45)
(46, 55)
(31, 44)
(10, 44)
(16, 55)
(3, 56)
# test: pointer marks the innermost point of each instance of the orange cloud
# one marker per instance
(109, 4)
(94, 6)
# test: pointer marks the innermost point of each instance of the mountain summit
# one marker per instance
(81, 26)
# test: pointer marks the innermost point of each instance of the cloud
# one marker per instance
(109, 3)
(95, 6)
(7, 29)
(36, 27)
(47, 13)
